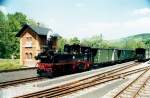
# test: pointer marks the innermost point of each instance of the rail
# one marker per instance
(16, 82)
(19, 81)
(72, 87)
(133, 88)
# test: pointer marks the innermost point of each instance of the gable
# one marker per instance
(28, 33)
(42, 31)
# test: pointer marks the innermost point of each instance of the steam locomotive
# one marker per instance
(74, 58)
(77, 58)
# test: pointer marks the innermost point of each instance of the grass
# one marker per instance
(8, 64)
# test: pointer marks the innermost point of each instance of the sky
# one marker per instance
(113, 19)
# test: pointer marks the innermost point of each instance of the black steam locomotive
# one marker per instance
(74, 58)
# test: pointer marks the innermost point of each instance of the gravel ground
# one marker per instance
(122, 86)
(99, 91)
(9, 76)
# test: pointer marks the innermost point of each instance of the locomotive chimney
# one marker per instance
(52, 39)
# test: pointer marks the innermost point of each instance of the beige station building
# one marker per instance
(32, 39)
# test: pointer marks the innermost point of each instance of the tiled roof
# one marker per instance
(37, 29)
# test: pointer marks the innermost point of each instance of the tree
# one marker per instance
(61, 42)
(74, 40)
(95, 42)
(2, 26)
(140, 44)
(2, 33)
(2, 50)
(32, 22)
(86, 42)
(9, 25)
(130, 44)
(16, 21)
(147, 43)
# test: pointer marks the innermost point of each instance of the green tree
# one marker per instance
(10, 24)
(2, 25)
(147, 43)
(86, 42)
(129, 44)
(32, 22)
(2, 50)
(95, 41)
(2, 33)
(15, 22)
(140, 44)
(74, 40)
(61, 42)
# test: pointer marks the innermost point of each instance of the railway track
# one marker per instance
(138, 88)
(32, 79)
(72, 87)
(20, 81)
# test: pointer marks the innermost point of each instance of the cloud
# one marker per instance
(3, 9)
(142, 11)
(110, 30)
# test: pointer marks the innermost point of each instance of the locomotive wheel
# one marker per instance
(49, 74)
(81, 66)
(39, 73)
(89, 67)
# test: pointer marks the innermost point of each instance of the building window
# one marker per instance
(28, 55)
(28, 42)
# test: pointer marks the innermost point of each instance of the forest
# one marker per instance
(10, 24)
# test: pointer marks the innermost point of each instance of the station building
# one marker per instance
(32, 39)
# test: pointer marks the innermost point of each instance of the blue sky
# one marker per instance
(84, 18)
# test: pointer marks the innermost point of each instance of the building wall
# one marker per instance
(30, 46)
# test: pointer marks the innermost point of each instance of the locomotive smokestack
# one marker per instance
(52, 40)
(49, 34)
